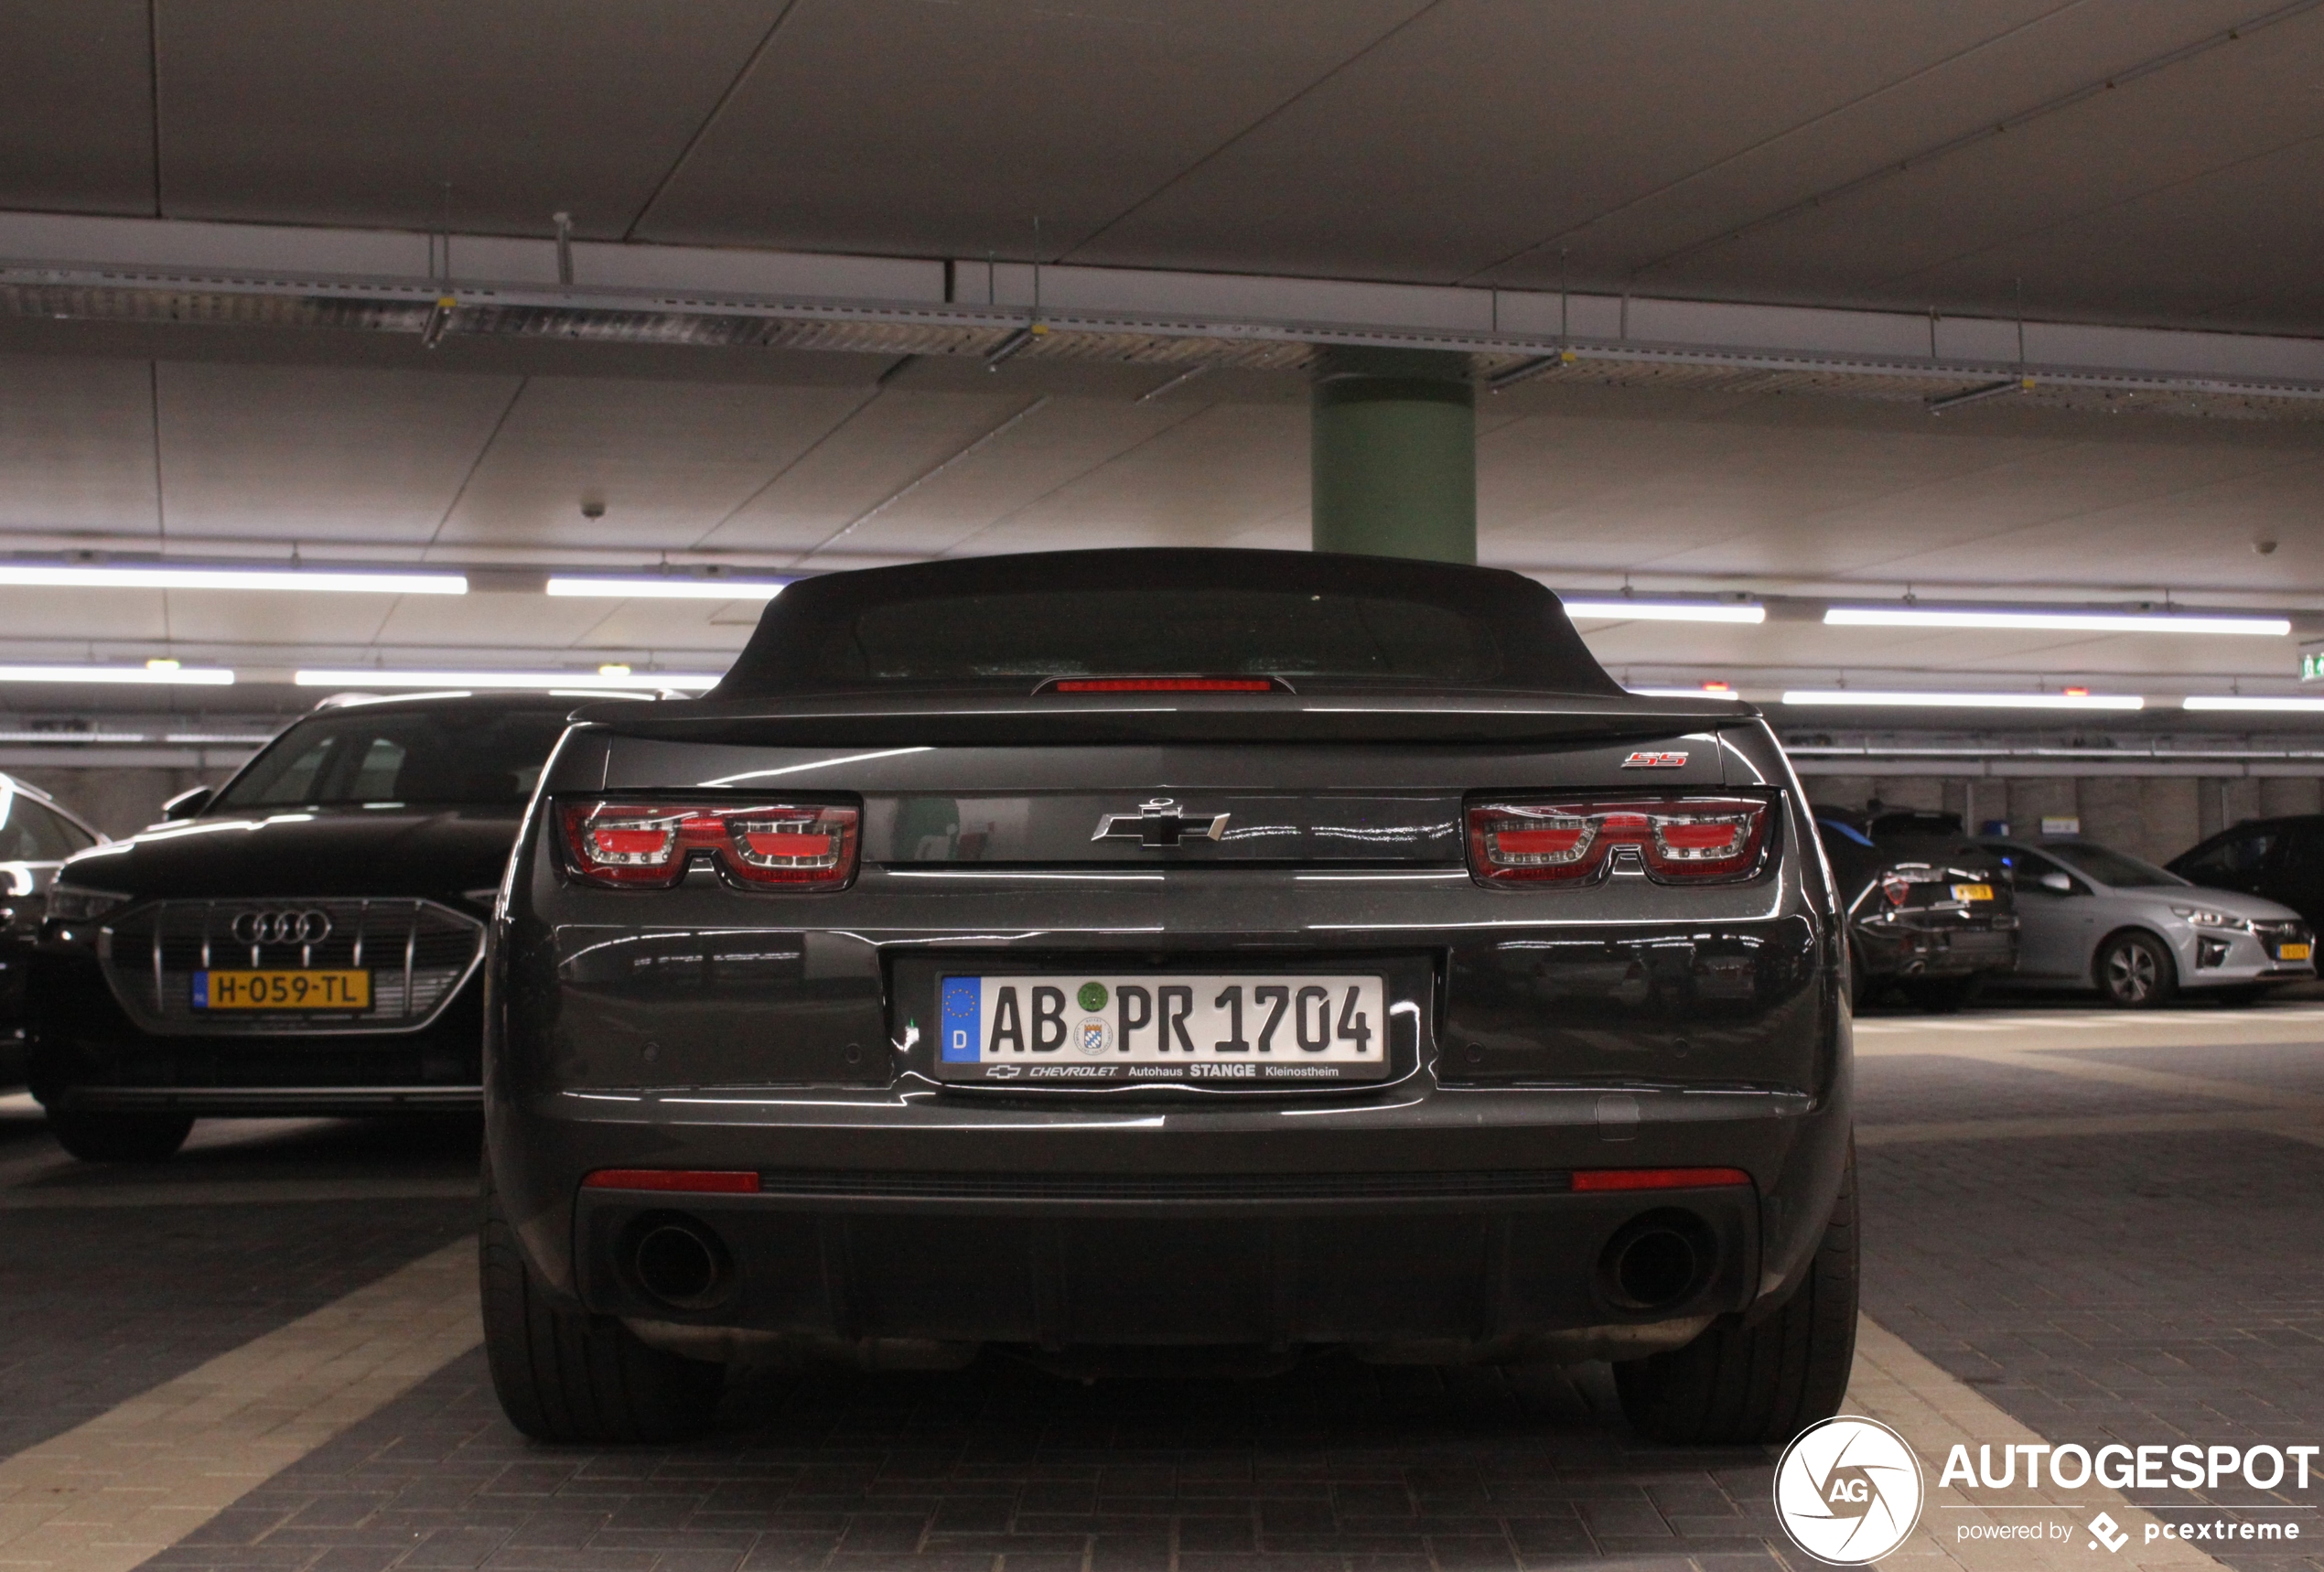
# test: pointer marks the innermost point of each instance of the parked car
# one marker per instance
(1168, 959)
(36, 833)
(2094, 916)
(1929, 911)
(305, 941)
(2280, 860)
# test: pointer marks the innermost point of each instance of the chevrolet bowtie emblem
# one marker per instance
(1159, 824)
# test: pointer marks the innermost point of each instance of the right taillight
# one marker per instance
(632, 844)
(1677, 840)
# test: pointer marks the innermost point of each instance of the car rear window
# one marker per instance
(482, 758)
(2110, 867)
(1035, 635)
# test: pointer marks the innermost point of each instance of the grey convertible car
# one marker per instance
(1169, 961)
(2090, 916)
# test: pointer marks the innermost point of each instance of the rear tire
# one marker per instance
(570, 1376)
(120, 1137)
(1944, 995)
(1763, 1385)
(2135, 972)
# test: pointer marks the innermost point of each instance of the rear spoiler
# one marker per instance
(1132, 718)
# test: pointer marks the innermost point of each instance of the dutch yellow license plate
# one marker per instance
(2292, 953)
(284, 989)
(1972, 892)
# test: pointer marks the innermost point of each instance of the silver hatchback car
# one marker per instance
(2090, 916)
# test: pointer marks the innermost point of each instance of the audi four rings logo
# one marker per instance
(307, 927)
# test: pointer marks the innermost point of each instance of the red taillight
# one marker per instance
(1160, 685)
(698, 1181)
(1676, 839)
(1657, 1179)
(760, 846)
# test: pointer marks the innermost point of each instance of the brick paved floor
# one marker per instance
(103, 1303)
(2150, 1288)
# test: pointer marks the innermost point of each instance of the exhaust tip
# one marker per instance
(679, 1261)
(1657, 1261)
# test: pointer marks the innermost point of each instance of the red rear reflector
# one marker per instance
(1657, 1179)
(1163, 685)
(697, 1181)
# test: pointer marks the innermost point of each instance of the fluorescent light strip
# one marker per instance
(328, 581)
(197, 676)
(2253, 703)
(1665, 610)
(672, 587)
(1856, 698)
(1731, 696)
(366, 677)
(2055, 621)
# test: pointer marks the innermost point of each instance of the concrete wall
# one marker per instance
(118, 801)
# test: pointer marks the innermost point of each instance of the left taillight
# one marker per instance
(1677, 839)
(629, 845)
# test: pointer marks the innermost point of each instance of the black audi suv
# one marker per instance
(304, 940)
(1169, 960)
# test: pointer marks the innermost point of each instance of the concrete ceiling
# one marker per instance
(2126, 159)
(2141, 162)
(1587, 489)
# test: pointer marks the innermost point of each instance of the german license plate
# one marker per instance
(283, 989)
(2292, 952)
(1972, 892)
(1247, 1028)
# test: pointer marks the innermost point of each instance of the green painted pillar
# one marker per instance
(1394, 451)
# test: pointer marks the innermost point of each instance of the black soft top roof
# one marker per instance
(789, 654)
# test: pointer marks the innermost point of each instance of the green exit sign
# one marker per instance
(2312, 666)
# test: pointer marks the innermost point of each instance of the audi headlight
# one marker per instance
(75, 903)
(2205, 917)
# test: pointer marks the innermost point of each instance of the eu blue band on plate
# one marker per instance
(963, 1019)
(201, 990)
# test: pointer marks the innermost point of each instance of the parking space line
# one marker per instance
(2145, 1080)
(2295, 1126)
(248, 1192)
(1932, 1411)
(139, 1478)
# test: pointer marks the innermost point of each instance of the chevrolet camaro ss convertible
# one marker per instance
(1140, 961)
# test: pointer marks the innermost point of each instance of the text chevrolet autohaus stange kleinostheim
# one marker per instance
(1169, 960)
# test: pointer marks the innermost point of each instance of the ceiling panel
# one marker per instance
(1911, 237)
(891, 442)
(1225, 475)
(1489, 125)
(362, 459)
(76, 107)
(984, 497)
(2016, 60)
(671, 461)
(77, 445)
(945, 129)
(360, 113)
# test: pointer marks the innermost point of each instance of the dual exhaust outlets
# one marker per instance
(1657, 1261)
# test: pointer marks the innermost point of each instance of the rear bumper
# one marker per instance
(1527, 1270)
(1901, 949)
(1445, 1223)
